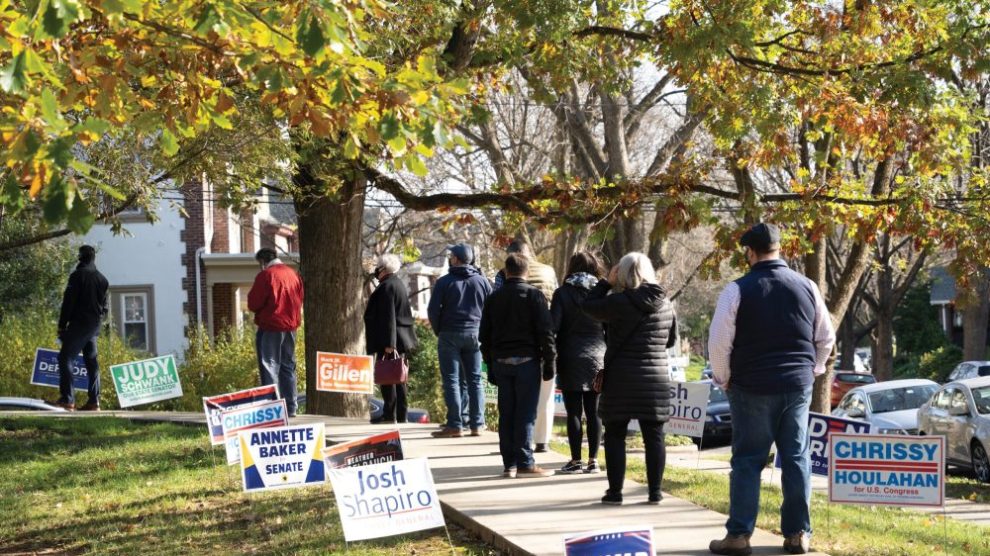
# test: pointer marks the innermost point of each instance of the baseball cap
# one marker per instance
(761, 237)
(462, 251)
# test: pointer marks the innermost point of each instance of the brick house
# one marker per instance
(193, 266)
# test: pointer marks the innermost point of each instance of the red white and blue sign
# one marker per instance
(46, 370)
(282, 457)
(894, 470)
(819, 427)
(631, 541)
(213, 406)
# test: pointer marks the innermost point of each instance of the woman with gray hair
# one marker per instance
(388, 328)
(639, 327)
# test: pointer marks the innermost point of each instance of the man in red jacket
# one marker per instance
(276, 300)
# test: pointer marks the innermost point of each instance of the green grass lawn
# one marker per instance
(104, 485)
(839, 530)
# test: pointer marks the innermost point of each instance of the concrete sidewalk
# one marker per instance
(523, 516)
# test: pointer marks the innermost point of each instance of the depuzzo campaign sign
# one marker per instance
(150, 380)
(284, 457)
(627, 541)
(213, 406)
(46, 370)
(819, 427)
(887, 469)
(337, 372)
(688, 408)
(386, 499)
(378, 448)
(263, 415)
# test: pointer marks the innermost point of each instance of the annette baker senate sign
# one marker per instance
(887, 469)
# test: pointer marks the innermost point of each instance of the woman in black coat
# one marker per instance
(580, 350)
(388, 328)
(640, 326)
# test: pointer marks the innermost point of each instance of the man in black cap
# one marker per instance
(455, 315)
(770, 336)
(84, 305)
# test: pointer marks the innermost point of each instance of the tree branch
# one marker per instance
(606, 31)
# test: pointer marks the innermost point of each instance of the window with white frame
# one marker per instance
(133, 312)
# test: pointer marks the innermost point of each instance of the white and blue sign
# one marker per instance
(631, 541)
(894, 470)
(819, 427)
(283, 457)
(263, 415)
(46, 370)
(688, 408)
(386, 499)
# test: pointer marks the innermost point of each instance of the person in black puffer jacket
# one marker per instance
(580, 352)
(640, 326)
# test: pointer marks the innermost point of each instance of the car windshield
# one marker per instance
(717, 395)
(899, 399)
(856, 378)
(982, 398)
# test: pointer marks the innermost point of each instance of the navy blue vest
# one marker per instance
(774, 348)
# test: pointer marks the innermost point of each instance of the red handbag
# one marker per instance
(392, 368)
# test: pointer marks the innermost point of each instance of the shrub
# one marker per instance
(936, 365)
(425, 387)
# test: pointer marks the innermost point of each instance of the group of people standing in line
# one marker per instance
(604, 336)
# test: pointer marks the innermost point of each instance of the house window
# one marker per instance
(133, 313)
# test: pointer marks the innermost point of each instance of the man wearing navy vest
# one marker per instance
(770, 336)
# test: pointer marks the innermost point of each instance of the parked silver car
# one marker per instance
(970, 369)
(26, 404)
(891, 407)
(960, 412)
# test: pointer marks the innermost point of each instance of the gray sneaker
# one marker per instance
(571, 467)
(798, 543)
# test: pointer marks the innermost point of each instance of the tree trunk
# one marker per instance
(846, 339)
(821, 395)
(883, 361)
(976, 310)
(330, 256)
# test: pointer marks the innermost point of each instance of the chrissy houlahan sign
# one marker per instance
(386, 499)
(214, 406)
(150, 380)
(262, 415)
(284, 457)
(887, 469)
(627, 541)
(46, 370)
(688, 409)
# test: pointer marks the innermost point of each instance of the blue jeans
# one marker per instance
(518, 396)
(74, 341)
(460, 360)
(277, 363)
(759, 420)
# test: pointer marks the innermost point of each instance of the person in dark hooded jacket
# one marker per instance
(580, 353)
(640, 325)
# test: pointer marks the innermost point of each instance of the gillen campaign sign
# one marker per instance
(338, 372)
(887, 469)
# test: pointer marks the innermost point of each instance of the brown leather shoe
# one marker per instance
(798, 543)
(447, 433)
(90, 406)
(731, 545)
(64, 405)
(475, 432)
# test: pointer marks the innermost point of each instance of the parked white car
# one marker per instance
(970, 369)
(960, 412)
(891, 407)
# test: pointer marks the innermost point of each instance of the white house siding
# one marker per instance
(150, 255)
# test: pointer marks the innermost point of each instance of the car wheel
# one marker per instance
(981, 464)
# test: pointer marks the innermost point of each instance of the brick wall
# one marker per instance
(223, 307)
(194, 237)
(221, 230)
(247, 231)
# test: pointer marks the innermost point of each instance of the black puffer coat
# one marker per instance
(580, 339)
(637, 378)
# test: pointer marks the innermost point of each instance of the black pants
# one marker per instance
(394, 396)
(74, 341)
(615, 453)
(574, 401)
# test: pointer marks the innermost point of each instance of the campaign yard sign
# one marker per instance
(887, 469)
(631, 541)
(337, 372)
(491, 391)
(688, 409)
(819, 427)
(386, 499)
(213, 406)
(262, 415)
(370, 450)
(283, 457)
(559, 409)
(46, 370)
(150, 380)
